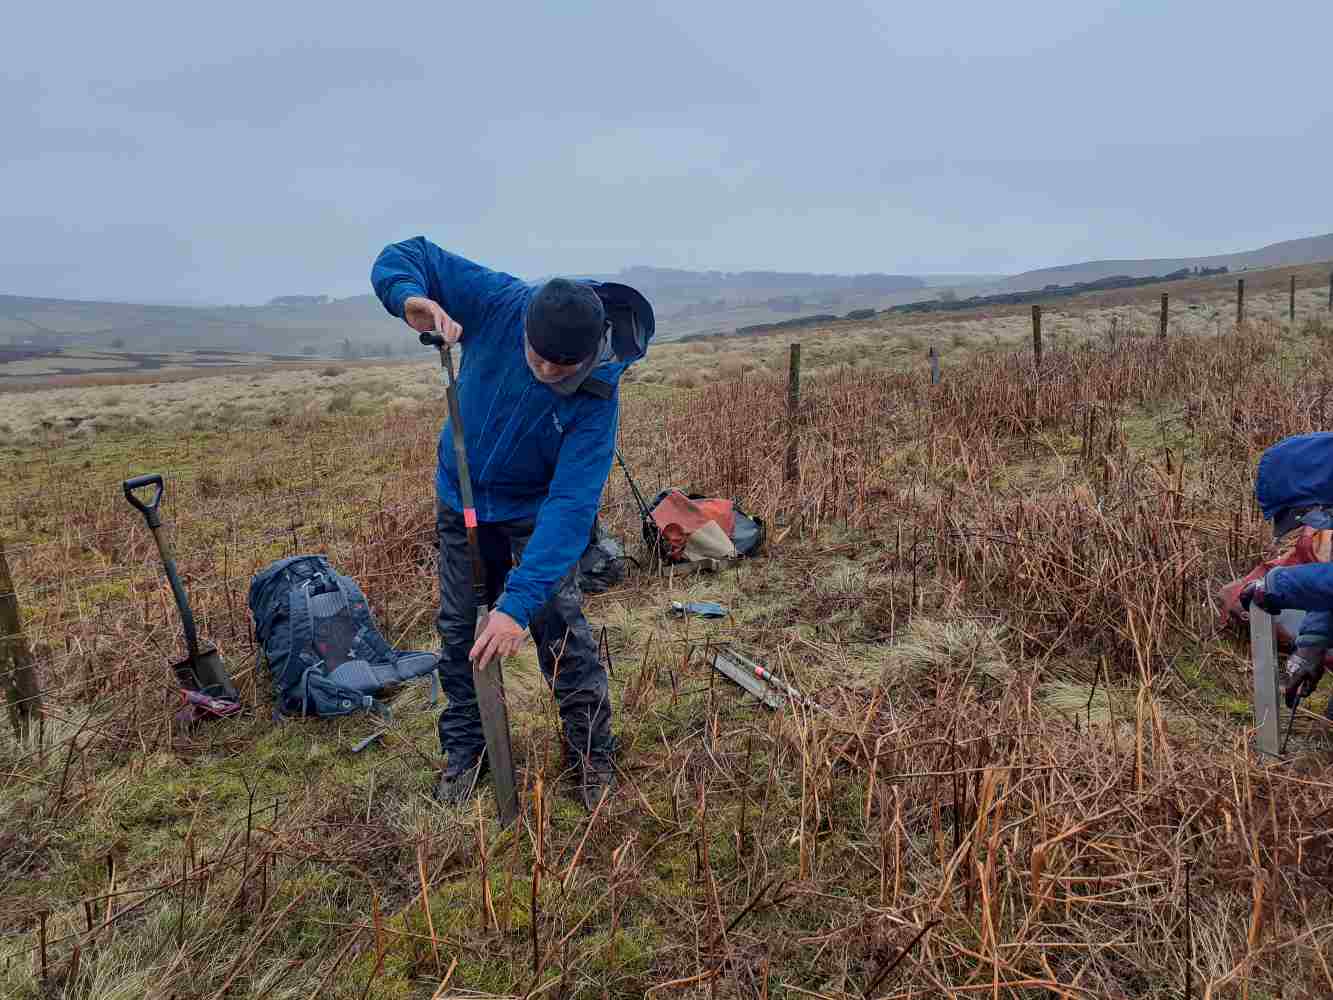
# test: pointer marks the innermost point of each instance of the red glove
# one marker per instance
(1254, 593)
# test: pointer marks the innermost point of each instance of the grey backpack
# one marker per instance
(325, 655)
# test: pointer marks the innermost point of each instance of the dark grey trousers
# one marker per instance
(566, 650)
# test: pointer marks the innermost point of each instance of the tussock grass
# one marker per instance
(1019, 771)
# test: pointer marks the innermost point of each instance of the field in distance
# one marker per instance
(41, 397)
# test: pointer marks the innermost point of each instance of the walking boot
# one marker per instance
(597, 779)
(459, 780)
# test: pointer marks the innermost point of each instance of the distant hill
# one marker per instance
(671, 281)
(1302, 251)
(703, 302)
(685, 302)
(329, 327)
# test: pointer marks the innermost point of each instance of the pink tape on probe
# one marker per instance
(470, 517)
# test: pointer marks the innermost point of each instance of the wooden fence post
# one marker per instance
(18, 678)
(1330, 292)
(793, 403)
(1291, 307)
(1036, 335)
(1240, 301)
(1161, 330)
(934, 366)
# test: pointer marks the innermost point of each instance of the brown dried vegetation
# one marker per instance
(949, 560)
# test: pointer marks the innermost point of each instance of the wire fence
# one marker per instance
(376, 519)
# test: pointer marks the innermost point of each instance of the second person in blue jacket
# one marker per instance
(539, 400)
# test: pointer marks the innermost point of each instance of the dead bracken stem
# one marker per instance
(425, 903)
(1022, 769)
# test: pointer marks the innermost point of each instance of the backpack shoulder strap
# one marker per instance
(301, 623)
(597, 387)
(359, 607)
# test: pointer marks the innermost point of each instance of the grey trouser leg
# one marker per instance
(566, 650)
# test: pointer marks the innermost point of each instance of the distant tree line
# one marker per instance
(650, 280)
(300, 300)
(381, 349)
(945, 303)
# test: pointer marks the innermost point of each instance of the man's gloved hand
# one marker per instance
(1254, 593)
(1302, 677)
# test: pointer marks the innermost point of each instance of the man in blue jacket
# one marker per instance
(1294, 487)
(539, 400)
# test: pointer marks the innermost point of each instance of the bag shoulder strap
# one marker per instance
(301, 626)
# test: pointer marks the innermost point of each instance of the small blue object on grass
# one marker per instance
(704, 609)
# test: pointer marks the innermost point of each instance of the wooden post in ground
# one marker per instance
(1161, 330)
(1291, 302)
(1330, 292)
(18, 677)
(793, 404)
(1240, 301)
(1036, 335)
(934, 365)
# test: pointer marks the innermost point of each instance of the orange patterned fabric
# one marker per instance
(1293, 549)
(678, 517)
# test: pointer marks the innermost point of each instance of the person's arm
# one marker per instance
(1316, 630)
(564, 520)
(417, 269)
(1308, 587)
(1312, 547)
(564, 524)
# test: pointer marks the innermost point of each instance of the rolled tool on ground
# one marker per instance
(702, 609)
(759, 681)
(745, 678)
(195, 705)
(203, 670)
(489, 682)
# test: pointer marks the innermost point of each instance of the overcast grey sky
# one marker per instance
(236, 151)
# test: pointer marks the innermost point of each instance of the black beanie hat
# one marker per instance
(565, 322)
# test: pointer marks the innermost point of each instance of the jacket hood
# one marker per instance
(1295, 472)
(632, 327)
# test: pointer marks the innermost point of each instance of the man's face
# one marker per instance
(548, 371)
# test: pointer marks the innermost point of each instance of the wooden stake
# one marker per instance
(897, 845)
(883, 847)
(1189, 935)
(18, 677)
(41, 940)
(1161, 330)
(1036, 335)
(1240, 301)
(538, 861)
(111, 884)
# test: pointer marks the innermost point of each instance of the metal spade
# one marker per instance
(203, 670)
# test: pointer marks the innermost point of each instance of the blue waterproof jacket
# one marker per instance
(1297, 474)
(532, 453)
